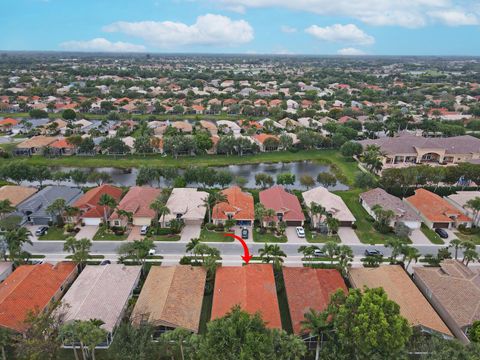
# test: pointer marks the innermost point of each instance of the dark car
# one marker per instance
(105, 262)
(442, 233)
(373, 252)
(244, 233)
(42, 230)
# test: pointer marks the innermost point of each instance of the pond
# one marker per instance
(127, 177)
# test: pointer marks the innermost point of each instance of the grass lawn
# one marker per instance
(102, 234)
(168, 237)
(365, 230)
(314, 237)
(54, 233)
(213, 236)
(469, 237)
(343, 169)
(268, 237)
(432, 235)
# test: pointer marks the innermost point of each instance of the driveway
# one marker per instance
(87, 231)
(135, 233)
(451, 236)
(32, 229)
(238, 232)
(292, 236)
(419, 238)
(190, 232)
(348, 236)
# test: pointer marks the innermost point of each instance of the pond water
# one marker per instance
(127, 177)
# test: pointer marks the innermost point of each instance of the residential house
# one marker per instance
(229, 126)
(286, 205)
(403, 213)
(137, 201)
(7, 124)
(101, 292)
(209, 126)
(61, 147)
(171, 298)
(332, 203)
(410, 149)
(238, 206)
(460, 200)
(400, 288)
(308, 288)
(187, 205)
(435, 211)
(33, 145)
(251, 287)
(266, 142)
(183, 126)
(16, 194)
(453, 289)
(32, 288)
(91, 213)
(34, 209)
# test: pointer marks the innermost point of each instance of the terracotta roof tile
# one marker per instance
(278, 199)
(238, 202)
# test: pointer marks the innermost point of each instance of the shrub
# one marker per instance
(210, 226)
(185, 260)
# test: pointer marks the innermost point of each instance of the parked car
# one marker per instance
(144, 230)
(105, 262)
(151, 252)
(442, 233)
(300, 231)
(373, 252)
(318, 252)
(244, 233)
(42, 230)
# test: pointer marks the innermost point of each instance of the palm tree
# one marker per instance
(316, 209)
(108, 202)
(5, 208)
(330, 249)
(308, 251)
(345, 256)
(212, 200)
(410, 253)
(397, 246)
(265, 253)
(70, 244)
(333, 224)
(270, 215)
(272, 252)
(456, 244)
(191, 245)
(162, 212)
(15, 240)
(469, 255)
(5, 340)
(315, 324)
(474, 205)
(56, 209)
(259, 212)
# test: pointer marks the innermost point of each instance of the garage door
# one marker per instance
(294, 223)
(440, 225)
(193, 222)
(244, 222)
(346, 223)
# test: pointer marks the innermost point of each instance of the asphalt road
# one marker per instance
(291, 249)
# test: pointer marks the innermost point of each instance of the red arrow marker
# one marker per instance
(246, 256)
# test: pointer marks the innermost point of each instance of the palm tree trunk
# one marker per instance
(4, 355)
(93, 354)
(75, 351)
(317, 350)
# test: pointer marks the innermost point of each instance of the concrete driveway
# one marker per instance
(451, 236)
(32, 229)
(87, 231)
(190, 232)
(348, 236)
(292, 236)
(419, 238)
(135, 233)
(238, 232)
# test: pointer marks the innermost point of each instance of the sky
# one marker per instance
(316, 27)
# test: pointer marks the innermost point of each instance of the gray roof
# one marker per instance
(406, 144)
(38, 203)
(101, 292)
(389, 202)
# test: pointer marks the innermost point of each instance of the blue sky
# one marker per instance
(373, 27)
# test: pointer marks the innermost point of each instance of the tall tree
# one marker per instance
(315, 324)
(108, 202)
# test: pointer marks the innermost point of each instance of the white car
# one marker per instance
(144, 230)
(151, 252)
(300, 232)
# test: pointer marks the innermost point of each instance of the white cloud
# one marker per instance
(288, 29)
(101, 45)
(209, 29)
(455, 17)
(348, 33)
(405, 13)
(350, 51)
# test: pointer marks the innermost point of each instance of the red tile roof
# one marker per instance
(238, 202)
(138, 200)
(8, 122)
(262, 137)
(61, 144)
(278, 199)
(30, 288)
(309, 288)
(88, 203)
(252, 287)
(435, 208)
